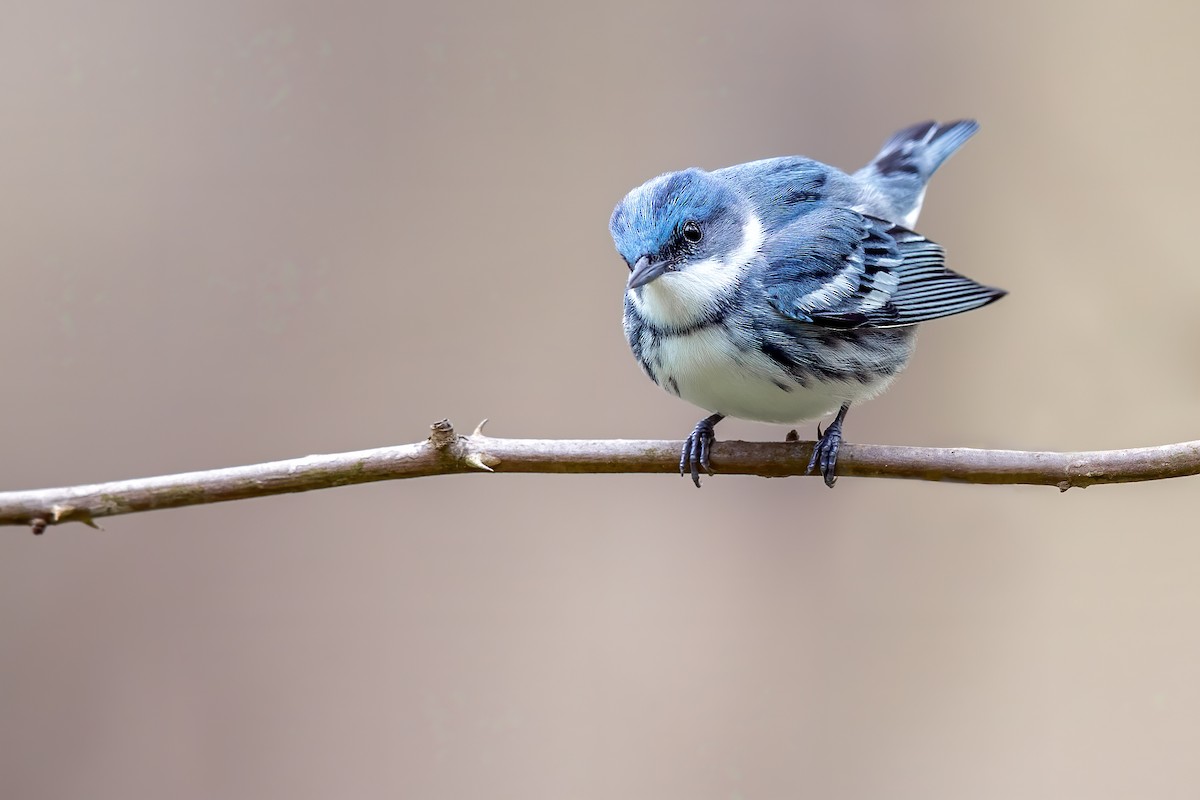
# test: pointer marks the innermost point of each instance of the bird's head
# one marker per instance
(684, 225)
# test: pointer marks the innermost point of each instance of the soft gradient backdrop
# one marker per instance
(243, 230)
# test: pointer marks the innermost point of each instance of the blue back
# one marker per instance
(782, 190)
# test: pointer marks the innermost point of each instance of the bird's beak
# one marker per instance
(645, 271)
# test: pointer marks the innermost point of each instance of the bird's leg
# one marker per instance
(697, 446)
(825, 451)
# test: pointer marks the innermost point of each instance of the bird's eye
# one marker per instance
(692, 232)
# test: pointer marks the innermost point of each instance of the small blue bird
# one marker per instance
(783, 290)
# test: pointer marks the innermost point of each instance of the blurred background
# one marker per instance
(241, 231)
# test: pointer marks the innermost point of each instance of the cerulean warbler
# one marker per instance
(784, 290)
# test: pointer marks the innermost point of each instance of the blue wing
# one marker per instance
(840, 269)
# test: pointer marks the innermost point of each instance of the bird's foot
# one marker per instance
(698, 447)
(825, 451)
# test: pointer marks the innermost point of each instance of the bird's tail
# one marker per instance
(909, 158)
(921, 148)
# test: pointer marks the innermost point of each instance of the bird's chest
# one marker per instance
(685, 364)
(721, 369)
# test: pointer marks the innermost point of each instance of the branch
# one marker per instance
(447, 453)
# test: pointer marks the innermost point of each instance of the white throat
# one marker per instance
(680, 299)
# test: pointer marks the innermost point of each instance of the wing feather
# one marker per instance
(841, 269)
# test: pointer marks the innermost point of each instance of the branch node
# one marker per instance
(441, 434)
(38, 526)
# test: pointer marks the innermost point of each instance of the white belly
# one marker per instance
(707, 369)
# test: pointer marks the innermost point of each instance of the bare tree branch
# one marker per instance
(446, 453)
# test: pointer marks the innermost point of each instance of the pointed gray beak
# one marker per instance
(644, 271)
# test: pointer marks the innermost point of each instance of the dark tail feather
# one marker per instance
(920, 149)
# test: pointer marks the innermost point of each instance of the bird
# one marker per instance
(784, 290)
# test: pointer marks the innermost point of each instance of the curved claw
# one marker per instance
(825, 454)
(825, 451)
(697, 449)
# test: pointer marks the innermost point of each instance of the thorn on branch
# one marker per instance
(64, 512)
(479, 461)
(443, 437)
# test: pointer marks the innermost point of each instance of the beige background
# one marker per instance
(238, 231)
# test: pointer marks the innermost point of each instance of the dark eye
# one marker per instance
(692, 232)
